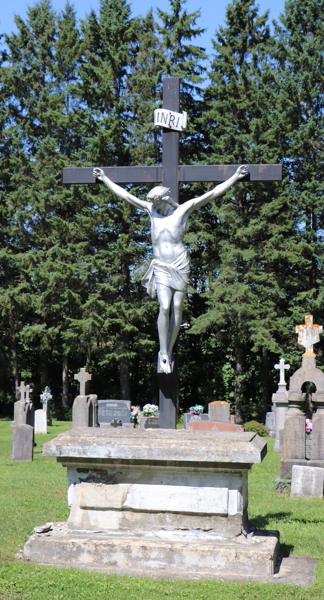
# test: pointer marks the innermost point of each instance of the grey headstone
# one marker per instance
(47, 409)
(22, 442)
(219, 412)
(269, 422)
(108, 410)
(40, 421)
(294, 436)
(189, 417)
(149, 422)
(84, 411)
(307, 481)
(20, 412)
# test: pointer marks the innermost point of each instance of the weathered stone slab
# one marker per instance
(219, 411)
(190, 417)
(294, 436)
(159, 445)
(168, 554)
(213, 426)
(318, 435)
(270, 422)
(22, 442)
(40, 421)
(307, 481)
(109, 410)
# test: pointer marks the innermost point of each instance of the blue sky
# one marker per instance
(212, 12)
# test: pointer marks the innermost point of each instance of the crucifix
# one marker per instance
(163, 268)
(308, 334)
(82, 377)
(282, 368)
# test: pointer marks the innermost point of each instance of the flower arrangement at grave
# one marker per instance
(150, 410)
(308, 425)
(196, 410)
(46, 395)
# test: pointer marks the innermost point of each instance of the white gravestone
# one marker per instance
(307, 481)
(40, 421)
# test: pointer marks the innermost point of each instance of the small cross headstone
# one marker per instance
(22, 390)
(308, 334)
(282, 368)
(82, 377)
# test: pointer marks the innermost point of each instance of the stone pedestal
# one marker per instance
(40, 421)
(159, 502)
(280, 405)
(214, 426)
(190, 417)
(22, 442)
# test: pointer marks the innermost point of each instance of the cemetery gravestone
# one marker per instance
(109, 410)
(40, 421)
(22, 442)
(307, 481)
(294, 443)
(84, 411)
(191, 417)
(280, 401)
(149, 422)
(219, 411)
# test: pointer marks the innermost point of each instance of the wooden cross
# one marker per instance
(22, 390)
(82, 377)
(170, 174)
(308, 334)
(282, 367)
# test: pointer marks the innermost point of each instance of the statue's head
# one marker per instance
(160, 194)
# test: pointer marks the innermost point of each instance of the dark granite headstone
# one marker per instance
(109, 410)
(22, 442)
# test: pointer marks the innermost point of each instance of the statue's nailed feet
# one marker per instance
(164, 363)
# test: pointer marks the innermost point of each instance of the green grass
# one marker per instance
(33, 493)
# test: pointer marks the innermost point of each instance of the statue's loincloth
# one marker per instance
(174, 275)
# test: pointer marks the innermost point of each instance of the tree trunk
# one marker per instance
(44, 370)
(65, 381)
(124, 371)
(266, 389)
(239, 371)
(14, 355)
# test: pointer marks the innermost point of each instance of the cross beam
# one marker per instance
(170, 175)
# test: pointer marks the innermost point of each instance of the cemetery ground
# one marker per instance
(34, 493)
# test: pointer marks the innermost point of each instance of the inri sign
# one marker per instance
(169, 119)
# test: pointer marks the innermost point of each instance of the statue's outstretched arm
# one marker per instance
(120, 192)
(220, 189)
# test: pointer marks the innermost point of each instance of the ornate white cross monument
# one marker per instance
(22, 390)
(282, 367)
(308, 334)
(83, 377)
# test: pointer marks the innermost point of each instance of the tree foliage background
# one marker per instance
(71, 258)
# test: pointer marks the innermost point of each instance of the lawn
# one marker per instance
(33, 493)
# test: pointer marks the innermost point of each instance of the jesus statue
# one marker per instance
(168, 273)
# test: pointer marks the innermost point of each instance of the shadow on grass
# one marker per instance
(261, 521)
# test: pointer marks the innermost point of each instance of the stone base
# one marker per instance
(213, 426)
(171, 554)
(287, 464)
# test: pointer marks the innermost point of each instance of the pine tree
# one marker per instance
(244, 259)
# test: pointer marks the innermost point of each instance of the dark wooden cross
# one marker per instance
(170, 174)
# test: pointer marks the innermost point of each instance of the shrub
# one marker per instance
(256, 427)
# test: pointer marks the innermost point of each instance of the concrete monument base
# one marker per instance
(175, 554)
(157, 500)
